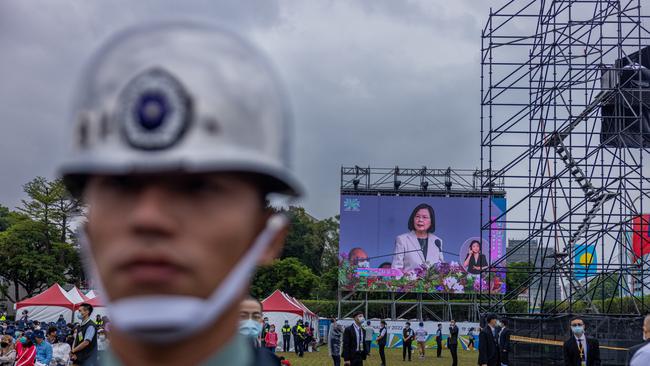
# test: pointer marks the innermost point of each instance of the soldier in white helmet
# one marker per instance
(180, 133)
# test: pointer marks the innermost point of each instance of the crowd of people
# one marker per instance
(30, 342)
(354, 343)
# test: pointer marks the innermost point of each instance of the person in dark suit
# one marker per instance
(579, 347)
(642, 350)
(353, 349)
(488, 348)
(407, 340)
(439, 340)
(381, 341)
(504, 342)
(452, 342)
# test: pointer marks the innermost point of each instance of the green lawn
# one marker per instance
(393, 357)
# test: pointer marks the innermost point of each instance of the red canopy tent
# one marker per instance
(279, 307)
(278, 301)
(48, 305)
(99, 308)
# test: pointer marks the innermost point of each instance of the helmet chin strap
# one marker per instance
(169, 318)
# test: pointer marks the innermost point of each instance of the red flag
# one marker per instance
(641, 236)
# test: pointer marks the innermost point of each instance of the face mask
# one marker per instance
(361, 319)
(169, 318)
(79, 316)
(250, 328)
(644, 337)
(23, 340)
(4, 344)
(578, 330)
(272, 330)
(102, 338)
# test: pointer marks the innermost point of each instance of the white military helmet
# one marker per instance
(180, 98)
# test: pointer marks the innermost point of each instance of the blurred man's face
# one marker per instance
(250, 309)
(170, 234)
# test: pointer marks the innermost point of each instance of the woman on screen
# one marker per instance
(419, 246)
(475, 261)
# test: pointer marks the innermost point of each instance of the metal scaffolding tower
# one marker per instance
(565, 91)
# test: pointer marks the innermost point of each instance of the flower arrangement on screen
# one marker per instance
(441, 277)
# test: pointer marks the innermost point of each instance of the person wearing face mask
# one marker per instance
(286, 336)
(407, 340)
(488, 348)
(102, 342)
(334, 337)
(370, 334)
(61, 323)
(250, 320)
(353, 348)
(7, 351)
(580, 350)
(504, 343)
(26, 355)
(84, 349)
(452, 342)
(639, 355)
(43, 349)
(265, 329)
(271, 339)
(180, 133)
(60, 352)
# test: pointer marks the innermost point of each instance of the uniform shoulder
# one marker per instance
(265, 358)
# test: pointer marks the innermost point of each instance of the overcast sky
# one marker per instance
(374, 83)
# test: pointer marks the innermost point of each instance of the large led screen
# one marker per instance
(421, 244)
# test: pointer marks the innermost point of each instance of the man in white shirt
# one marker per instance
(639, 355)
(370, 334)
(421, 337)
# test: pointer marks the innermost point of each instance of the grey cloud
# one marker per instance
(378, 83)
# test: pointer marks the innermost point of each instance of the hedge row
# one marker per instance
(625, 305)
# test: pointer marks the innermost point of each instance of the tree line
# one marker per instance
(37, 243)
(38, 247)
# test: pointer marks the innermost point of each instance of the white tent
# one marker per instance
(279, 307)
(76, 296)
(98, 305)
(48, 305)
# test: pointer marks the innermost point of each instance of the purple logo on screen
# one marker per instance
(351, 204)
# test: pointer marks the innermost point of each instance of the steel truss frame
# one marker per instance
(548, 68)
